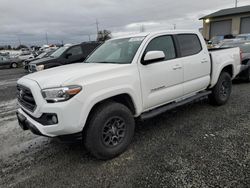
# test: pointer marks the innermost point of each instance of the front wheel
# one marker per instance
(222, 90)
(14, 65)
(109, 131)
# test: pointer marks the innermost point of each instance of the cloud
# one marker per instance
(74, 21)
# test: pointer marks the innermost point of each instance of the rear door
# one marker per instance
(161, 81)
(196, 63)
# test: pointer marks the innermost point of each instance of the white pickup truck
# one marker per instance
(138, 76)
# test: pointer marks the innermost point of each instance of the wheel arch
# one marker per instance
(229, 68)
(123, 98)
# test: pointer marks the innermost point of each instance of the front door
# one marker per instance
(161, 81)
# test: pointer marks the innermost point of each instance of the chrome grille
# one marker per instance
(25, 98)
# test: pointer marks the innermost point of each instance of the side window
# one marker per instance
(76, 50)
(189, 44)
(163, 43)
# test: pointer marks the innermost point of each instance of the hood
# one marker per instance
(58, 76)
(42, 60)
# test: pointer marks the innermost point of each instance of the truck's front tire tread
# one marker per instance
(93, 133)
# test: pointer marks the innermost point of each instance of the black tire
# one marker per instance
(222, 90)
(109, 131)
(247, 76)
(14, 65)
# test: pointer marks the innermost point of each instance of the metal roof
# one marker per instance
(227, 12)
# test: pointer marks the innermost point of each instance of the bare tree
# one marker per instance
(104, 35)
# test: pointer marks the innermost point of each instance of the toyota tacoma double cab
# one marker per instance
(137, 76)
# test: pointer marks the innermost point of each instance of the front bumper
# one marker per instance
(69, 114)
(25, 124)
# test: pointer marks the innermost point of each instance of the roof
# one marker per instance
(145, 34)
(227, 12)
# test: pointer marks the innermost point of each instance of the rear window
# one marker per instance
(189, 44)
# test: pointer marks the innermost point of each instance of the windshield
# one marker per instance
(41, 55)
(59, 52)
(119, 51)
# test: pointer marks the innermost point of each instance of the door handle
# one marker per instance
(177, 67)
(204, 61)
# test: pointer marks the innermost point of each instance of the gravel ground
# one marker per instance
(197, 145)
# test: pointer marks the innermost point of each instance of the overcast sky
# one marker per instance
(73, 20)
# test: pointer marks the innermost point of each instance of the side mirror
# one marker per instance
(153, 56)
(209, 42)
(68, 55)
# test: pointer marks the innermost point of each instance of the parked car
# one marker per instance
(9, 62)
(138, 76)
(244, 36)
(64, 55)
(26, 55)
(228, 41)
(217, 39)
(245, 49)
(42, 55)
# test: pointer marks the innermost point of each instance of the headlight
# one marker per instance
(39, 67)
(61, 94)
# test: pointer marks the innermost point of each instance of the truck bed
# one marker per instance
(221, 57)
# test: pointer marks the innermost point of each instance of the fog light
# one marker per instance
(54, 119)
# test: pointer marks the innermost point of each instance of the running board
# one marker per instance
(165, 108)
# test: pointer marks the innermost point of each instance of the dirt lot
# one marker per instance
(195, 146)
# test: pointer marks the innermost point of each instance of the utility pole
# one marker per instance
(89, 37)
(174, 26)
(236, 3)
(19, 40)
(142, 28)
(47, 38)
(97, 26)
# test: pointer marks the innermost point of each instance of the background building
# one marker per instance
(227, 21)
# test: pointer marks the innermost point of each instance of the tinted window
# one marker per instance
(189, 44)
(76, 50)
(163, 43)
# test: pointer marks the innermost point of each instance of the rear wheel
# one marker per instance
(222, 90)
(110, 130)
(14, 65)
